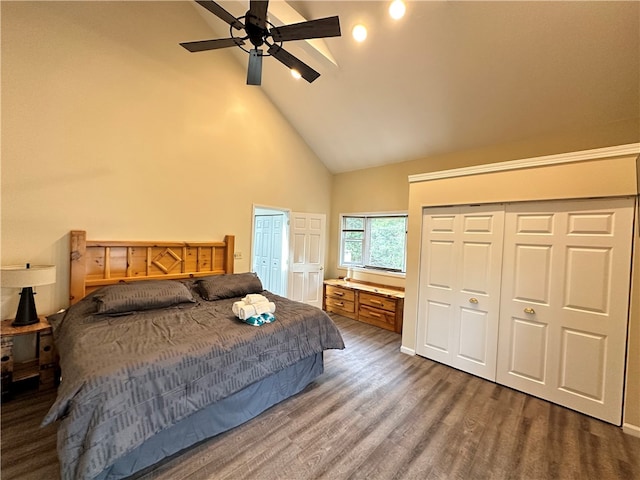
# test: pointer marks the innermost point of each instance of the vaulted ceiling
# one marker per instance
(452, 75)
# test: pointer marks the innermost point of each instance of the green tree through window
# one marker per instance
(374, 241)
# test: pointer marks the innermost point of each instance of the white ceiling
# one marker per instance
(453, 75)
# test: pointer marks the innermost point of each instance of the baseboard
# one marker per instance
(407, 350)
(632, 430)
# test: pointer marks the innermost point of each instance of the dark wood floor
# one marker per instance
(376, 414)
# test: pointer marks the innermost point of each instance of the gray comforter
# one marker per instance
(126, 378)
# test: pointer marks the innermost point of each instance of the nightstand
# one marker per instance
(43, 368)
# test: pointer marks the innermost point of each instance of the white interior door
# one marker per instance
(565, 296)
(262, 248)
(459, 297)
(306, 257)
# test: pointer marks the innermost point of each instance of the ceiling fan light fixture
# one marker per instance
(359, 33)
(295, 74)
(397, 9)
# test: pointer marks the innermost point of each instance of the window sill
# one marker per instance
(371, 271)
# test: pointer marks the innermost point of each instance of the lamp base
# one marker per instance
(26, 314)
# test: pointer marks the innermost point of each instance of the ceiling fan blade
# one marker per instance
(321, 28)
(308, 73)
(204, 45)
(258, 13)
(221, 13)
(254, 72)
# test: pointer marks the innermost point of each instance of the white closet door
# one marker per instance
(459, 296)
(263, 241)
(565, 294)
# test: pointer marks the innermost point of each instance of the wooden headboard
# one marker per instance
(98, 263)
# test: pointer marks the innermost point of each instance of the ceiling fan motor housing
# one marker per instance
(255, 31)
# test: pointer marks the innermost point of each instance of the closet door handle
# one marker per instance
(529, 310)
(473, 300)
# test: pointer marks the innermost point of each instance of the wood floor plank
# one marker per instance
(376, 414)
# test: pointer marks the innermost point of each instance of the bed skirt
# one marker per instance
(219, 417)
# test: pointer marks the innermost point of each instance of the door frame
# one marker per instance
(258, 209)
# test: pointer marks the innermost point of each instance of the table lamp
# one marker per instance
(27, 277)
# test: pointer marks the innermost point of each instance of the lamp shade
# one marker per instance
(27, 277)
(19, 276)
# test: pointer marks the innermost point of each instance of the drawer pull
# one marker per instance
(473, 300)
(47, 348)
(377, 302)
(338, 304)
(340, 294)
(529, 310)
(5, 358)
(374, 314)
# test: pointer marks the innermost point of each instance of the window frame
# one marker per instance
(363, 267)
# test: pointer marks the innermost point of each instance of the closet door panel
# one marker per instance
(528, 350)
(460, 287)
(437, 295)
(577, 292)
(474, 329)
(438, 336)
(532, 273)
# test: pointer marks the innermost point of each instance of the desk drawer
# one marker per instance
(341, 293)
(338, 303)
(376, 316)
(378, 301)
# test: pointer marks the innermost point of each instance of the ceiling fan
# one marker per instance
(259, 31)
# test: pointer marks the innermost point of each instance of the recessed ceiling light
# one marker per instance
(397, 9)
(359, 33)
(295, 74)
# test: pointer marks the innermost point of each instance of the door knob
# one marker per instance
(529, 310)
(473, 300)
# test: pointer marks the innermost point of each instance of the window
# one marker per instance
(374, 241)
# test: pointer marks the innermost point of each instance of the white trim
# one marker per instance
(407, 351)
(595, 154)
(632, 430)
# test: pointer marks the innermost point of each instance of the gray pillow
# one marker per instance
(145, 295)
(219, 287)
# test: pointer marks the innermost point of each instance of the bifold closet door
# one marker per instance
(565, 295)
(459, 295)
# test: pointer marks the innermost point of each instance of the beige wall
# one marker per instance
(134, 143)
(386, 188)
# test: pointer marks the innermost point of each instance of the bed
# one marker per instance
(154, 360)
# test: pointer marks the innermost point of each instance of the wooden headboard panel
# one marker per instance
(98, 263)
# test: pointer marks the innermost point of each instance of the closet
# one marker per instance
(532, 295)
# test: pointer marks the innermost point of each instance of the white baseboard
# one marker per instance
(632, 430)
(407, 350)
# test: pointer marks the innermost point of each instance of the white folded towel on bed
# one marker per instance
(254, 298)
(236, 307)
(244, 311)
